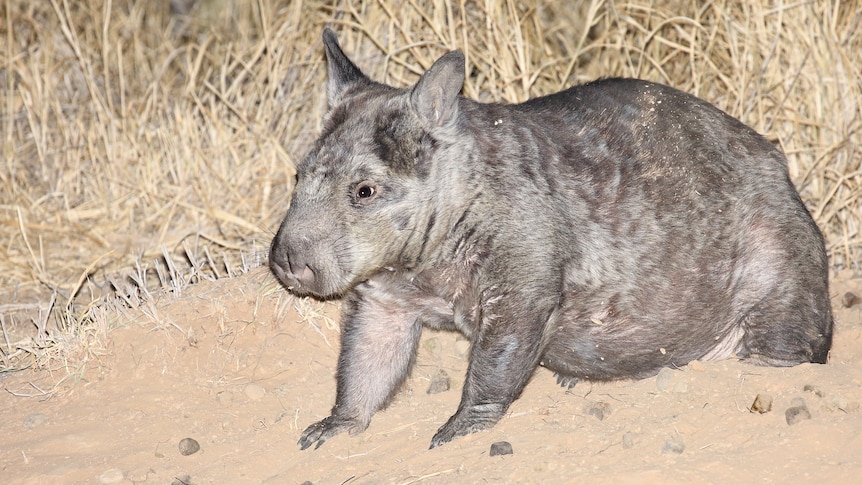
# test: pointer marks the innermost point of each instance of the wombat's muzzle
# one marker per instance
(291, 269)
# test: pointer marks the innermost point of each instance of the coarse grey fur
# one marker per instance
(603, 232)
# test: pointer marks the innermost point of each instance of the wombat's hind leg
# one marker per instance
(785, 335)
(783, 289)
(566, 381)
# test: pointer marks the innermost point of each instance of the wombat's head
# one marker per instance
(365, 193)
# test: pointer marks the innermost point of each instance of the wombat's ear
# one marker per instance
(435, 95)
(342, 72)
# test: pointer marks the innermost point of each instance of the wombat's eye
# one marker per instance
(365, 191)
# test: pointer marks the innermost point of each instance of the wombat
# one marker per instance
(603, 232)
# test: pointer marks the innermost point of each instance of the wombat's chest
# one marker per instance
(456, 285)
(445, 294)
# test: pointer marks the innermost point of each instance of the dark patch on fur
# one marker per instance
(334, 119)
(427, 234)
(398, 142)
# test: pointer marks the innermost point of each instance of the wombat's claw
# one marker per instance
(566, 381)
(319, 432)
(447, 433)
(469, 420)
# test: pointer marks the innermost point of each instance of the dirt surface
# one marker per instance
(242, 368)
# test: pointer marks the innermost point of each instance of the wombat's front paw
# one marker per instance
(324, 429)
(466, 421)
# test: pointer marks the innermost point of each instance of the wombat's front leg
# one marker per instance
(505, 353)
(378, 345)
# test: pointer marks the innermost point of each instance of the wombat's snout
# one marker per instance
(291, 269)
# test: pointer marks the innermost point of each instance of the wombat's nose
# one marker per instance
(305, 275)
(301, 270)
(290, 268)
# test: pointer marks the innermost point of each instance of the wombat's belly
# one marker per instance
(613, 339)
(634, 354)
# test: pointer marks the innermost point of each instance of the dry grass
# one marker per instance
(143, 150)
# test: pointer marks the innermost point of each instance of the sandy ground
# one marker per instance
(242, 368)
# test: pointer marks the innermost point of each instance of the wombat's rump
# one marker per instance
(603, 232)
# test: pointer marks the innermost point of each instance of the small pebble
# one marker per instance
(462, 347)
(696, 366)
(628, 440)
(255, 392)
(850, 299)
(844, 404)
(673, 445)
(225, 398)
(440, 382)
(138, 475)
(183, 479)
(113, 475)
(501, 448)
(797, 413)
(432, 345)
(664, 379)
(189, 446)
(599, 409)
(813, 389)
(762, 404)
(34, 420)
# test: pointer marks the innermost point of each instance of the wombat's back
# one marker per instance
(690, 240)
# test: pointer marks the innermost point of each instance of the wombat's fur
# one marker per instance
(603, 232)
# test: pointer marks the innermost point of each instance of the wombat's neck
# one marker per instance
(493, 164)
(473, 174)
